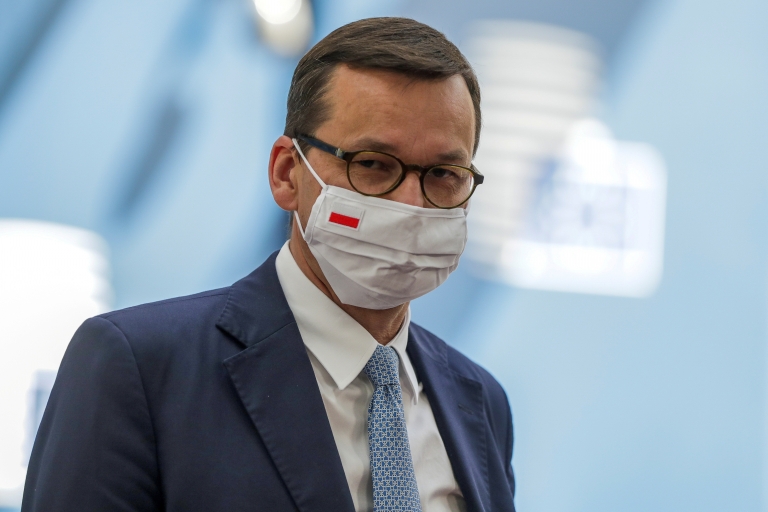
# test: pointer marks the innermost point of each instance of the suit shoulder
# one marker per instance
(169, 322)
(186, 305)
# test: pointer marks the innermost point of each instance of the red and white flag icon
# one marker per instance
(344, 220)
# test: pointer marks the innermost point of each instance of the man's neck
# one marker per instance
(382, 324)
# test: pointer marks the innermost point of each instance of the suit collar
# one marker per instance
(275, 381)
(256, 306)
(458, 407)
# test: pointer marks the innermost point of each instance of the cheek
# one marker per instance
(309, 190)
(337, 176)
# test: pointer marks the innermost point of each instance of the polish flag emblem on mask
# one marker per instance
(346, 216)
(344, 220)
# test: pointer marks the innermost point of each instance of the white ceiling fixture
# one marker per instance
(285, 25)
(52, 277)
(566, 206)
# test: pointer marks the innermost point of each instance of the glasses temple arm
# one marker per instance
(322, 146)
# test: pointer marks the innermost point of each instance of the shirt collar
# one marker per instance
(342, 345)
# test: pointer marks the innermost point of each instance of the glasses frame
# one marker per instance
(347, 156)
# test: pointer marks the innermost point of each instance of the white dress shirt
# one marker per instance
(339, 348)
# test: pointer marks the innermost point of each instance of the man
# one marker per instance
(305, 386)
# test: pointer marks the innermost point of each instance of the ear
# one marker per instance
(283, 178)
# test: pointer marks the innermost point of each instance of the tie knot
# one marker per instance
(382, 367)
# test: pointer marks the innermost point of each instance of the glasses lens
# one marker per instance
(448, 185)
(373, 173)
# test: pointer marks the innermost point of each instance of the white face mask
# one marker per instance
(379, 254)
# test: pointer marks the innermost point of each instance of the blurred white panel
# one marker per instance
(52, 277)
(596, 220)
(541, 75)
(285, 25)
(564, 207)
(536, 81)
(543, 124)
(568, 102)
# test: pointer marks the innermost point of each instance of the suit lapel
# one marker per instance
(275, 381)
(458, 407)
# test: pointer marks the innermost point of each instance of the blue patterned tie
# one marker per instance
(394, 482)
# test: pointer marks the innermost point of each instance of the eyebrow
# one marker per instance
(372, 144)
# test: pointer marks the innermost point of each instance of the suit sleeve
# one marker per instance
(95, 450)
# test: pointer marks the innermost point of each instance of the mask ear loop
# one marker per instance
(321, 182)
(298, 222)
(309, 166)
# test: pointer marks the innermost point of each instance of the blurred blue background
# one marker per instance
(150, 123)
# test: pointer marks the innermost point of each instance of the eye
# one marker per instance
(375, 165)
(370, 161)
(443, 173)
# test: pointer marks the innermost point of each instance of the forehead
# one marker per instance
(418, 118)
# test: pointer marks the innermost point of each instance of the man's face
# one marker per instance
(422, 122)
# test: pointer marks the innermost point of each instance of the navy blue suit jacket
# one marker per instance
(209, 403)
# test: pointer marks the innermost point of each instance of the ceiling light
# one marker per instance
(286, 26)
(278, 12)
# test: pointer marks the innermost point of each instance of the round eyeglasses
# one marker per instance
(373, 173)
